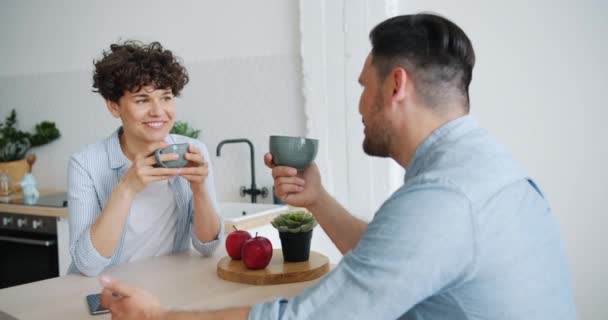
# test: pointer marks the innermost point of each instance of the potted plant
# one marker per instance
(183, 128)
(295, 232)
(15, 144)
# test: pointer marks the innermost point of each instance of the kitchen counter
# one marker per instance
(186, 281)
(14, 206)
(52, 203)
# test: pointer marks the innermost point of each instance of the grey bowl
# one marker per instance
(295, 152)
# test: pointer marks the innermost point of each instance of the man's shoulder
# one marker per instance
(429, 188)
(476, 165)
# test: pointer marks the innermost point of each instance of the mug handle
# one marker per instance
(157, 157)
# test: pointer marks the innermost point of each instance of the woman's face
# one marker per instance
(147, 115)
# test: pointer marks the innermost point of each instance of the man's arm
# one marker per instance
(131, 303)
(418, 243)
(304, 189)
(335, 221)
(232, 314)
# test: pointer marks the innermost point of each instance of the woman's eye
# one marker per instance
(140, 101)
(167, 98)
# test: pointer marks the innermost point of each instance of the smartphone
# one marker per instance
(94, 304)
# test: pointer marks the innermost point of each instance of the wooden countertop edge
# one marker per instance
(34, 210)
(63, 213)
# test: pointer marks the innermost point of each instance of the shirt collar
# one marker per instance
(450, 130)
(116, 157)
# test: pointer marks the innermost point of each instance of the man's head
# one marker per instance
(139, 83)
(426, 54)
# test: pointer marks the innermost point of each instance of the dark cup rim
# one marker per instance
(176, 144)
(294, 137)
(172, 145)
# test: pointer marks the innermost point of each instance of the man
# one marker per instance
(467, 236)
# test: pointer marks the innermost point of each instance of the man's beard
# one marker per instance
(376, 143)
(377, 137)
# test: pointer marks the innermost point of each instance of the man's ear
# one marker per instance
(113, 107)
(399, 79)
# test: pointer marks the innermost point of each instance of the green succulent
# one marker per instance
(182, 127)
(294, 222)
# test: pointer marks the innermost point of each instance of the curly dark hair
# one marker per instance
(131, 65)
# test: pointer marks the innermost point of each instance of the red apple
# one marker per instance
(235, 241)
(257, 252)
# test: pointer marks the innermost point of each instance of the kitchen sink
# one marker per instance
(243, 212)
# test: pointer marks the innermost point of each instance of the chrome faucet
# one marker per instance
(253, 190)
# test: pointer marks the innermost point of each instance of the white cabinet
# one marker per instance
(63, 243)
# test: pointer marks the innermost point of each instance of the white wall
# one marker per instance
(539, 86)
(242, 57)
(333, 45)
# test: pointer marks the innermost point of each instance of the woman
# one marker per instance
(122, 207)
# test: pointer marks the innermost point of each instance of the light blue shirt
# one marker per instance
(467, 236)
(92, 175)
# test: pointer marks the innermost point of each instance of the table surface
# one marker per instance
(185, 281)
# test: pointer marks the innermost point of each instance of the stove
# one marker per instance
(53, 200)
(28, 243)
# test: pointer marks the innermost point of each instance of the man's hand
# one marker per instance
(299, 189)
(304, 189)
(126, 303)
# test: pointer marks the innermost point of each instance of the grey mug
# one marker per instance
(179, 148)
(296, 152)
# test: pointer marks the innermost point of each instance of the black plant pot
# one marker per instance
(296, 246)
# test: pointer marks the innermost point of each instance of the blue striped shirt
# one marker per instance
(92, 175)
(468, 236)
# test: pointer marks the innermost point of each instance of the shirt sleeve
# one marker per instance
(83, 209)
(207, 248)
(419, 243)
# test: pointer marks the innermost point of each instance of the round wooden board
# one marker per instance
(276, 272)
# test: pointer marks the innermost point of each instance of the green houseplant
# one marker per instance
(295, 231)
(182, 127)
(15, 144)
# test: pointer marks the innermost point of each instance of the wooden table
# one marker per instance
(185, 281)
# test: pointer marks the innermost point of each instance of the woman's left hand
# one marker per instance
(196, 170)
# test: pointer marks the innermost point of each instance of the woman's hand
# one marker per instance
(196, 170)
(142, 170)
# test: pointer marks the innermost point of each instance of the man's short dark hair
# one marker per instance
(131, 65)
(435, 51)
